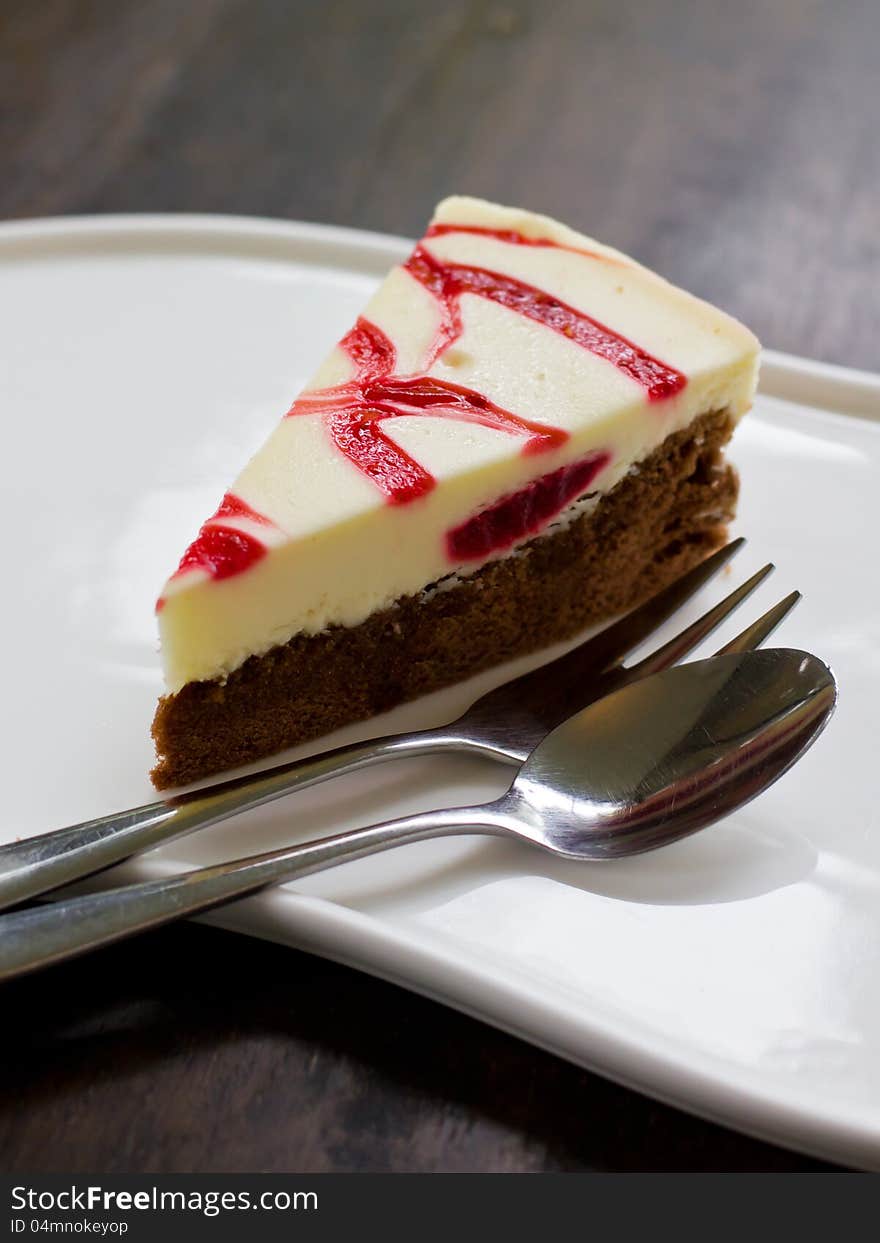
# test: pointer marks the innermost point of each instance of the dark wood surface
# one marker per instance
(732, 146)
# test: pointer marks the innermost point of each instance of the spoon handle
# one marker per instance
(48, 861)
(36, 938)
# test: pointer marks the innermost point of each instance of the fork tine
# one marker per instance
(679, 646)
(612, 644)
(616, 641)
(553, 691)
(753, 636)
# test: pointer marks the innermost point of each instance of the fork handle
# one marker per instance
(37, 938)
(38, 864)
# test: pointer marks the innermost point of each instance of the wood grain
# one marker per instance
(195, 1049)
(732, 146)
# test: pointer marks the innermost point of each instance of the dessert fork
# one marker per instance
(505, 725)
(646, 766)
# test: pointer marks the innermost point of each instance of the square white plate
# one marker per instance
(736, 974)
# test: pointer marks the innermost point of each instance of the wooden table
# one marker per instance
(732, 146)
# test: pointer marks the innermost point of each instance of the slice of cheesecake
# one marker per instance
(521, 436)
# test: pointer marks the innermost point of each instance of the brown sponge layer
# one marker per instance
(662, 518)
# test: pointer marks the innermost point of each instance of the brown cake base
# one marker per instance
(656, 523)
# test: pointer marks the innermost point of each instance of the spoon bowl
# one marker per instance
(670, 754)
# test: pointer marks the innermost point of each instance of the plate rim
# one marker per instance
(363, 941)
(789, 377)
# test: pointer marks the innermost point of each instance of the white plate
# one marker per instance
(736, 974)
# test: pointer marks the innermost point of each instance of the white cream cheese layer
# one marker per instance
(332, 549)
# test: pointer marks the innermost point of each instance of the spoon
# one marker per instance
(644, 767)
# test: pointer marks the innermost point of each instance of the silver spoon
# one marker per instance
(646, 766)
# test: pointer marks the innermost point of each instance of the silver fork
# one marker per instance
(504, 725)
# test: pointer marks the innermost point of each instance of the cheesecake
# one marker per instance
(521, 436)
